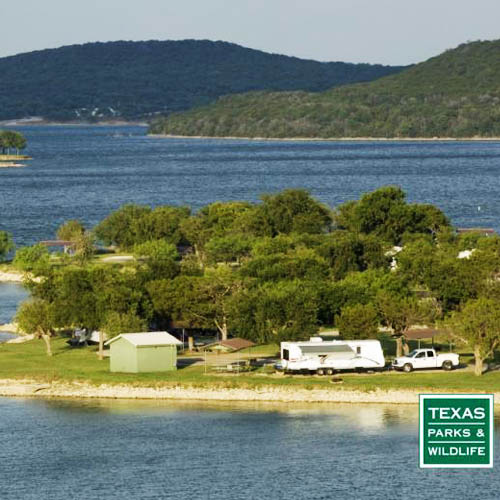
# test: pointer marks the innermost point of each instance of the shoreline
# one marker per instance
(331, 139)
(11, 276)
(47, 123)
(83, 390)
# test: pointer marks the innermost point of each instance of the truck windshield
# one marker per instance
(412, 354)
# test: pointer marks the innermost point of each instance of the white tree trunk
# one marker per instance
(479, 361)
(101, 345)
(46, 339)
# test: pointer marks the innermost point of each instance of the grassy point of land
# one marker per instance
(28, 361)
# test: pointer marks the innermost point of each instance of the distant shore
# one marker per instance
(41, 122)
(82, 390)
(333, 139)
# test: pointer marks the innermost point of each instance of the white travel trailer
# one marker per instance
(325, 357)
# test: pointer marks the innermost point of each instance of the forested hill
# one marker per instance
(456, 94)
(133, 80)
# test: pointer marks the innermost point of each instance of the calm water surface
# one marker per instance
(131, 450)
(128, 450)
(10, 296)
(86, 172)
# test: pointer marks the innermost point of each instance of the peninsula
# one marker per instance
(453, 95)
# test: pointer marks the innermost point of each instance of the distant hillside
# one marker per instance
(456, 94)
(138, 79)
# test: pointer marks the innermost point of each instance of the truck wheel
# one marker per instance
(329, 371)
(408, 368)
(320, 371)
(447, 365)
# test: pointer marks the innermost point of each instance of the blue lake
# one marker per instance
(10, 296)
(86, 172)
(160, 450)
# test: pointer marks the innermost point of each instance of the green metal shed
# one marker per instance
(143, 352)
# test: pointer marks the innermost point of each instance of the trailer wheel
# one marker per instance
(408, 368)
(329, 371)
(447, 365)
(320, 371)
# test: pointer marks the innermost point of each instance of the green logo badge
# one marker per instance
(456, 430)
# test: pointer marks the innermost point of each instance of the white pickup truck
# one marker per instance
(425, 358)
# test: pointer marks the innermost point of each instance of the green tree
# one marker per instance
(116, 323)
(301, 264)
(84, 246)
(201, 301)
(6, 244)
(37, 317)
(217, 220)
(477, 325)
(275, 312)
(19, 142)
(8, 140)
(70, 230)
(227, 249)
(358, 322)
(385, 214)
(75, 299)
(124, 227)
(400, 313)
(156, 250)
(160, 258)
(34, 259)
(347, 252)
(294, 210)
(453, 281)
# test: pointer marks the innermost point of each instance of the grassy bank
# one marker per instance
(28, 361)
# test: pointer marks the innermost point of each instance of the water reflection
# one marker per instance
(11, 294)
(106, 449)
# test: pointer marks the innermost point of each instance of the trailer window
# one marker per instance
(358, 349)
(286, 354)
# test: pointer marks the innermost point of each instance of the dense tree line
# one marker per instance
(456, 94)
(275, 270)
(131, 80)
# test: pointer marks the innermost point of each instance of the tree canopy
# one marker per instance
(131, 80)
(10, 139)
(278, 269)
(455, 94)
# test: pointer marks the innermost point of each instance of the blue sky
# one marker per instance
(376, 31)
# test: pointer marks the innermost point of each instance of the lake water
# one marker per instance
(10, 296)
(159, 450)
(86, 172)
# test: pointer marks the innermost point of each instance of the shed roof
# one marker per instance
(423, 333)
(57, 243)
(236, 343)
(147, 339)
(232, 344)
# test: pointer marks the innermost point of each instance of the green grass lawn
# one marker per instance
(28, 360)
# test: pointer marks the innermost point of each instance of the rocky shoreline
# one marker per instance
(82, 390)
(331, 139)
(11, 277)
